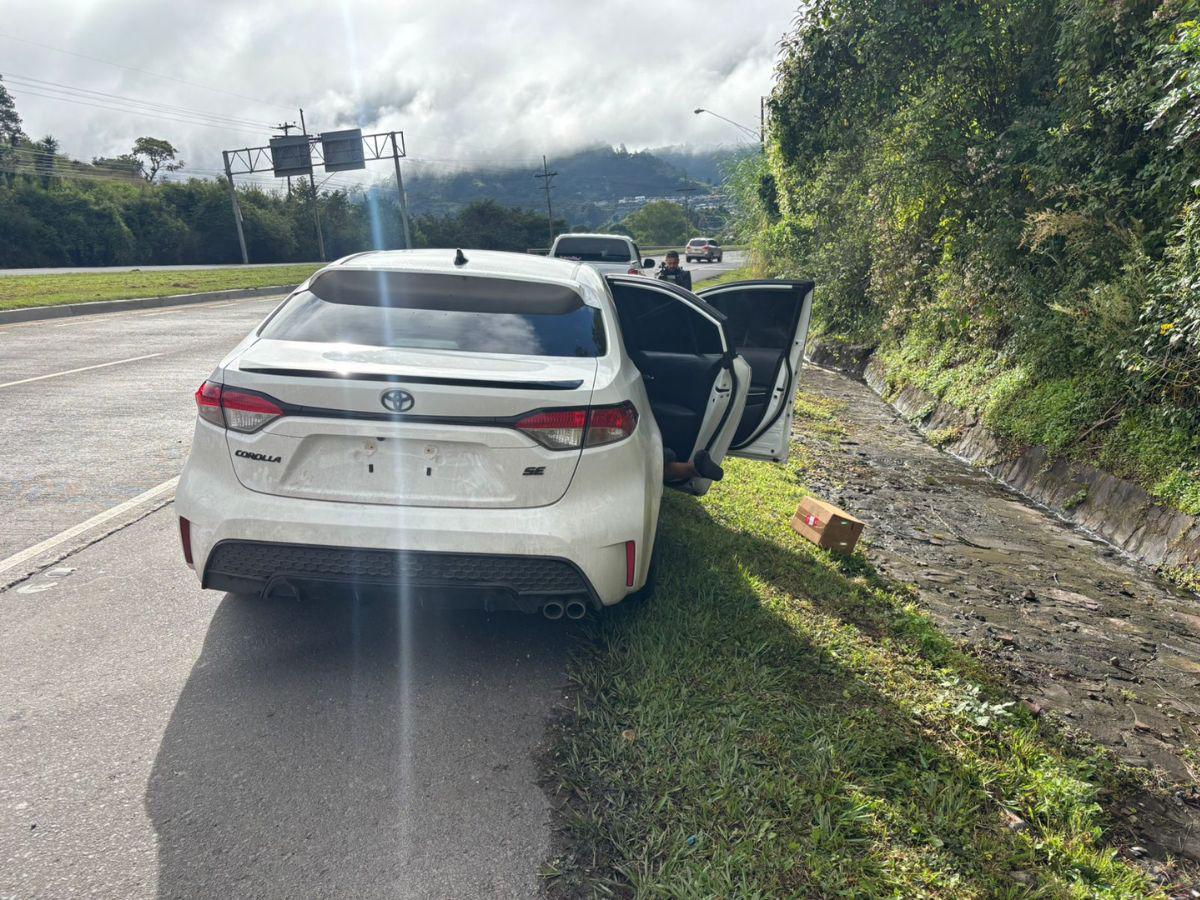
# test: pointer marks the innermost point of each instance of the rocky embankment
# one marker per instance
(1114, 509)
(1081, 632)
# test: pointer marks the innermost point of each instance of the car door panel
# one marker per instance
(678, 343)
(767, 323)
(679, 387)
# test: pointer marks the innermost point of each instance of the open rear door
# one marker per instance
(766, 321)
(696, 385)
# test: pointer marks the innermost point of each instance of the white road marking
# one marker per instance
(74, 531)
(90, 318)
(115, 362)
(187, 306)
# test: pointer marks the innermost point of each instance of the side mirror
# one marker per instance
(647, 263)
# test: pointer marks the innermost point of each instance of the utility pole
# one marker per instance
(316, 206)
(762, 123)
(547, 175)
(237, 212)
(403, 199)
(286, 128)
(687, 202)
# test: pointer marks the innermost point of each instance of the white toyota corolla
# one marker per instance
(484, 429)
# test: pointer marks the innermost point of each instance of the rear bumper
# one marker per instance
(573, 548)
(518, 583)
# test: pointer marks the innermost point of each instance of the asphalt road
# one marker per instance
(161, 740)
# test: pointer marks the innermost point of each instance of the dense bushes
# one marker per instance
(65, 221)
(60, 222)
(1002, 193)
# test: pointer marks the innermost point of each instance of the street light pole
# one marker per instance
(760, 134)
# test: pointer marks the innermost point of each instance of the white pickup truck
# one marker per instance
(608, 254)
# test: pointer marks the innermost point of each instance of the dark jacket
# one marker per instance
(680, 276)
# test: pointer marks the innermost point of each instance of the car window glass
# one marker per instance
(757, 318)
(441, 312)
(654, 321)
(589, 249)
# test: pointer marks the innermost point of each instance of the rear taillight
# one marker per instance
(208, 403)
(633, 271)
(611, 423)
(570, 429)
(248, 412)
(558, 429)
(235, 409)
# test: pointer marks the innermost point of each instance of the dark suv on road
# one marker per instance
(703, 248)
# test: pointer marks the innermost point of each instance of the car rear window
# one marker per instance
(593, 249)
(440, 312)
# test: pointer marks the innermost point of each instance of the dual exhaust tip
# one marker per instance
(572, 609)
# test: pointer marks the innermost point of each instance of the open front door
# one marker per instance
(696, 385)
(767, 324)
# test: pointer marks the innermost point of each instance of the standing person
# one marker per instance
(675, 273)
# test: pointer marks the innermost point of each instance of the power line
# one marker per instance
(74, 169)
(108, 62)
(32, 155)
(43, 85)
(26, 92)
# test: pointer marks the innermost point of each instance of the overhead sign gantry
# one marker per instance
(297, 154)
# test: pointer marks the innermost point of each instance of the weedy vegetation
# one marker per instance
(779, 722)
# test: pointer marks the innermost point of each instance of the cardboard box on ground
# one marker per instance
(827, 526)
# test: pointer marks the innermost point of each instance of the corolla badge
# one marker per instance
(397, 400)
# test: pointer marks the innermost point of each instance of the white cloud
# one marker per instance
(466, 80)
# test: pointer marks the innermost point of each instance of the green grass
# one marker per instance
(1082, 416)
(743, 274)
(778, 722)
(49, 290)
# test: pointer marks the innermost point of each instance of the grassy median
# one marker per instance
(779, 722)
(19, 291)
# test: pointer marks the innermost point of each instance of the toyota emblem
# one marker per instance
(397, 400)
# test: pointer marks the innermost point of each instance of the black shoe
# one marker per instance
(706, 468)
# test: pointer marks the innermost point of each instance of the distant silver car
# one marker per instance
(703, 248)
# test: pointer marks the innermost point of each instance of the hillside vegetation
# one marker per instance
(1003, 197)
(57, 211)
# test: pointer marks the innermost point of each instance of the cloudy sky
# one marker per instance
(468, 81)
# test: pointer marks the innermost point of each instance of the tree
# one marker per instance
(156, 155)
(10, 121)
(486, 225)
(659, 223)
(44, 153)
(125, 164)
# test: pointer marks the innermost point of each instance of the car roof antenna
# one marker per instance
(459, 259)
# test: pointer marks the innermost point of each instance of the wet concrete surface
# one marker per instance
(1081, 632)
